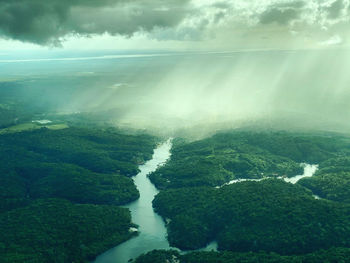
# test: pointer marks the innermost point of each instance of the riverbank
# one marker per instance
(151, 228)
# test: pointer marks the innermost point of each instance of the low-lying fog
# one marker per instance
(174, 90)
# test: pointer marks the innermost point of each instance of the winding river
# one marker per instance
(152, 230)
(151, 225)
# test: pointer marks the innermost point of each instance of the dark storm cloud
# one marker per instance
(279, 16)
(46, 21)
(222, 5)
(334, 10)
(282, 13)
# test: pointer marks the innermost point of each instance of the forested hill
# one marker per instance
(270, 215)
(59, 190)
(295, 221)
(333, 255)
(243, 154)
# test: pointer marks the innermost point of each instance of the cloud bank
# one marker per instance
(47, 22)
(227, 23)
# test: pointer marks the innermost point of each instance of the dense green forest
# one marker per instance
(55, 188)
(55, 230)
(7, 117)
(242, 154)
(332, 181)
(96, 150)
(81, 165)
(333, 255)
(271, 215)
(80, 174)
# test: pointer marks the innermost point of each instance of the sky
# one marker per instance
(256, 59)
(174, 24)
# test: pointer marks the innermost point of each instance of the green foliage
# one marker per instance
(88, 167)
(270, 215)
(223, 157)
(333, 255)
(81, 165)
(330, 186)
(13, 192)
(332, 181)
(82, 186)
(92, 149)
(335, 165)
(55, 230)
(7, 117)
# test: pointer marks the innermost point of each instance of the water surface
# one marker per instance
(151, 226)
(309, 171)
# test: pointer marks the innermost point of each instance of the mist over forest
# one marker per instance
(296, 89)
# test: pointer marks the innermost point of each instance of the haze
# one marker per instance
(175, 64)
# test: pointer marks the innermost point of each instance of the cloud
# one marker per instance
(207, 23)
(46, 22)
(280, 16)
(281, 13)
(275, 23)
(334, 40)
(335, 9)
